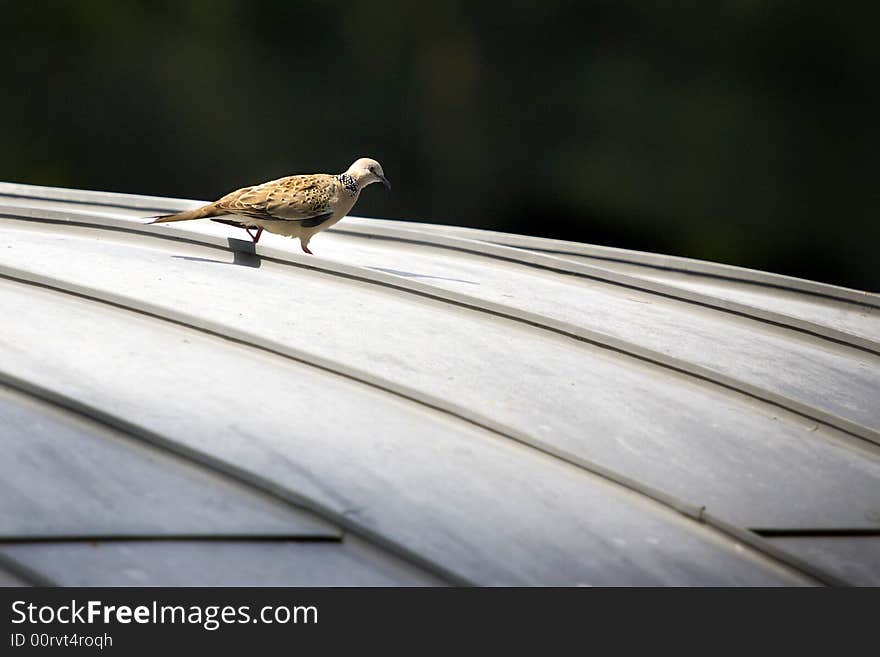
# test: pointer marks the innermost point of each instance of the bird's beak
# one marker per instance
(384, 181)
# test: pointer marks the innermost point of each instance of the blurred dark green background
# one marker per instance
(744, 132)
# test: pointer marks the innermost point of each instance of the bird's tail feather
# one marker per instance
(199, 213)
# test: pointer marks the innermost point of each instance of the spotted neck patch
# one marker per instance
(349, 183)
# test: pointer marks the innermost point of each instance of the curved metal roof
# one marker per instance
(420, 404)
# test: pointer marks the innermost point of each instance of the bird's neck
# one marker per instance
(350, 183)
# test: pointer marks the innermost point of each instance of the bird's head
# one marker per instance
(367, 171)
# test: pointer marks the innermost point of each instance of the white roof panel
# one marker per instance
(65, 476)
(465, 403)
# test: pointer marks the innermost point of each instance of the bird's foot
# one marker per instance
(306, 248)
(255, 238)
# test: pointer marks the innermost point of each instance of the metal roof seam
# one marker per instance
(761, 544)
(158, 203)
(531, 259)
(859, 297)
(659, 261)
(230, 470)
(539, 321)
(23, 572)
(84, 197)
(692, 511)
(153, 492)
(560, 265)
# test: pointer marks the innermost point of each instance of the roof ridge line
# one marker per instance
(519, 256)
(147, 202)
(644, 258)
(561, 265)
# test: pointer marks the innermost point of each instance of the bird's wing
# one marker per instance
(295, 198)
(316, 221)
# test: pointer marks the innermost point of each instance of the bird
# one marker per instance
(295, 206)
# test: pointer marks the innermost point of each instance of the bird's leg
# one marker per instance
(255, 238)
(305, 247)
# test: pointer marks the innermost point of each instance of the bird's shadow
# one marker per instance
(244, 254)
(410, 274)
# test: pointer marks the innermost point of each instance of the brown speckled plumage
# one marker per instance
(295, 206)
(291, 198)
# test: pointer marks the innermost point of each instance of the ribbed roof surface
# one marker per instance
(420, 404)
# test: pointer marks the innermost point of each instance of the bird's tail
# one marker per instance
(209, 210)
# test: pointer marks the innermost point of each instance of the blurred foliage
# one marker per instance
(739, 131)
